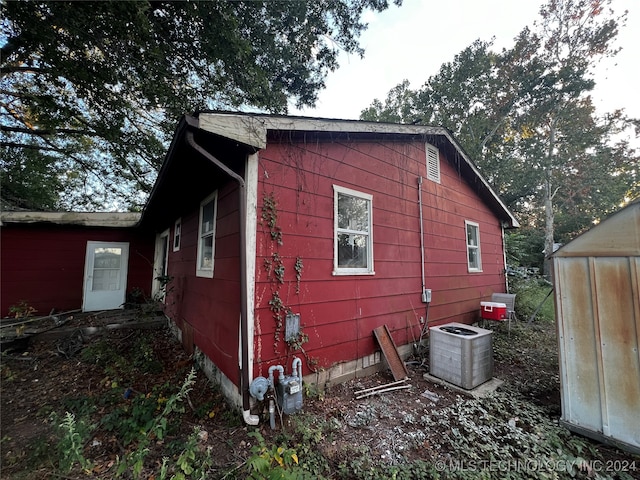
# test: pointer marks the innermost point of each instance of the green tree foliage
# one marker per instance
(526, 117)
(566, 142)
(94, 89)
(30, 180)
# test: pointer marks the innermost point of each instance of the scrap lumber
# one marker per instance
(390, 352)
(387, 387)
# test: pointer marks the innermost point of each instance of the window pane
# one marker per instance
(472, 235)
(353, 213)
(352, 251)
(107, 257)
(106, 269)
(206, 252)
(176, 236)
(207, 217)
(473, 257)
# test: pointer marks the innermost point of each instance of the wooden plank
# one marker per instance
(390, 351)
(383, 390)
(187, 338)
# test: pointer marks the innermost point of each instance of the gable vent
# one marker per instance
(433, 163)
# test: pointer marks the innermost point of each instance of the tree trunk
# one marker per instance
(548, 202)
(548, 225)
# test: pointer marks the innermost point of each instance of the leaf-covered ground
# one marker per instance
(120, 383)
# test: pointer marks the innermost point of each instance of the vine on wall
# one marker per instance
(270, 217)
(298, 266)
(276, 273)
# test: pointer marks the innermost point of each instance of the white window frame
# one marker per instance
(207, 271)
(177, 234)
(470, 267)
(433, 162)
(337, 270)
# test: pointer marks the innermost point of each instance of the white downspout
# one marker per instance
(251, 220)
(246, 342)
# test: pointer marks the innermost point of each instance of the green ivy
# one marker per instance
(270, 217)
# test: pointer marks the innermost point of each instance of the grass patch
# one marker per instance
(532, 296)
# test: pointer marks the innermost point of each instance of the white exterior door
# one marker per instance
(105, 276)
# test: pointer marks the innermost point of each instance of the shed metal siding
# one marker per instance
(598, 313)
(339, 313)
(43, 264)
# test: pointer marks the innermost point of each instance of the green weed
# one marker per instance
(273, 462)
(133, 417)
(73, 436)
(155, 429)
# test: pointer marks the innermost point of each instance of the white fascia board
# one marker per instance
(252, 129)
(247, 129)
(86, 219)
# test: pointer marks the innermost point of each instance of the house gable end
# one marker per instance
(257, 129)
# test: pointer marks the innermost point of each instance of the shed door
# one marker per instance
(105, 276)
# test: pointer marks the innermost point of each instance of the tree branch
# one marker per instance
(8, 70)
(35, 131)
(29, 146)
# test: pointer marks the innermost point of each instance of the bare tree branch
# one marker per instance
(29, 146)
(37, 131)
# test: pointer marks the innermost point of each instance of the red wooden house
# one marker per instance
(283, 236)
(65, 261)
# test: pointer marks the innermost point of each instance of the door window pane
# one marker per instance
(106, 269)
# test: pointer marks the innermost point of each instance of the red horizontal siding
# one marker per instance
(43, 265)
(211, 306)
(338, 313)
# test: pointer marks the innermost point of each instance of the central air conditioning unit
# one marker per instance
(461, 354)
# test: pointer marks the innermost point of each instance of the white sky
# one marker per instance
(412, 42)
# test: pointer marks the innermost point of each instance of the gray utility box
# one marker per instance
(289, 393)
(461, 354)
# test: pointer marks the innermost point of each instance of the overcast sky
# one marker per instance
(414, 40)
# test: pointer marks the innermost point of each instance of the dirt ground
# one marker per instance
(55, 375)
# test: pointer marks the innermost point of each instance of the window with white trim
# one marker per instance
(353, 239)
(474, 261)
(177, 233)
(433, 163)
(207, 236)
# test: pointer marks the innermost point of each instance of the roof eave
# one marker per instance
(252, 129)
(84, 219)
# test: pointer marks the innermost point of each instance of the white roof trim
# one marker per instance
(86, 219)
(251, 129)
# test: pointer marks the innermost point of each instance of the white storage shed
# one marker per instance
(597, 296)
